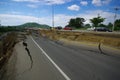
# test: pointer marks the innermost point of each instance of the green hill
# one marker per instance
(31, 25)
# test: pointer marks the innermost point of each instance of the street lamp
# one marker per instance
(49, 2)
(53, 15)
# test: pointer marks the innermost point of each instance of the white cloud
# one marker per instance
(60, 19)
(100, 2)
(27, 0)
(84, 3)
(56, 1)
(97, 2)
(10, 19)
(109, 17)
(106, 1)
(45, 1)
(32, 6)
(15, 12)
(74, 7)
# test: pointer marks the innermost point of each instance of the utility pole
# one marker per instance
(0, 23)
(116, 9)
(53, 15)
(52, 6)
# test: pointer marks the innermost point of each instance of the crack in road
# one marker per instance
(100, 49)
(25, 44)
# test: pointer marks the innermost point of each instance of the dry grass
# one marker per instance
(6, 47)
(108, 39)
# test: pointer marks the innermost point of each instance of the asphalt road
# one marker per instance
(30, 63)
(33, 65)
(80, 63)
(53, 60)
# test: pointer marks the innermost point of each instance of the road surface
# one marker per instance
(80, 63)
(56, 61)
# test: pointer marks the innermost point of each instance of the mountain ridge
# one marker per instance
(34, 24)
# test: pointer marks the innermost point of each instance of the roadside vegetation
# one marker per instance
(108, 39)
(6, 47)
(8, 36)
(78, 23)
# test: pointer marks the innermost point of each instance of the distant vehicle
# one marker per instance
(58, 28)
(67, 28)
(102, 29)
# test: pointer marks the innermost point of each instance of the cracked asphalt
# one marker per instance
(78, 62)
(41, 69)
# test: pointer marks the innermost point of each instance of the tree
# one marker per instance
(77, 22)
(97, 21)
(71, 23)
(87, 25)
(110, 25)
(102, 25)
(117, 24)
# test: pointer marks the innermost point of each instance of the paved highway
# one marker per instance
(34, 65)
(80, 63)
(57, 61)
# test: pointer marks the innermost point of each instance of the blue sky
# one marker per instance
(16, 12)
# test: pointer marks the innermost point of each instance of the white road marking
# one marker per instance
(59, 69)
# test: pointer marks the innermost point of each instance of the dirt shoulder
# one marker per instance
(107, 39)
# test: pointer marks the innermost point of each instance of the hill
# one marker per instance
(29, 25)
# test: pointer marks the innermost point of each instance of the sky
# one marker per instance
(17, 12)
